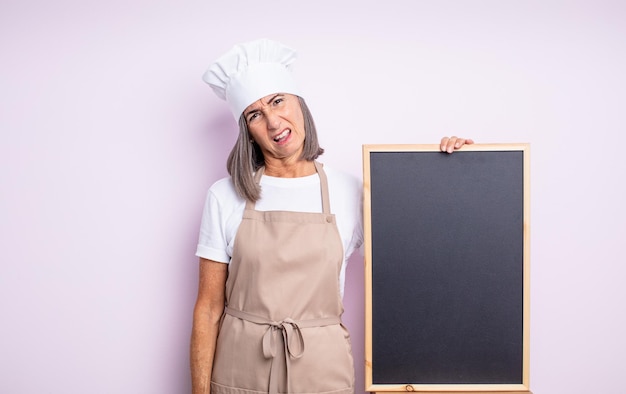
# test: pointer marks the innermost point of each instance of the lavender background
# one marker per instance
(109, 140)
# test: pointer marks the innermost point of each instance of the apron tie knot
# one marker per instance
(288, 328)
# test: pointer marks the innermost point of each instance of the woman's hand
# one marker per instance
(450, 144)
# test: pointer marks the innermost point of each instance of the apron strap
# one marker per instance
(323, 185)
(288, 328)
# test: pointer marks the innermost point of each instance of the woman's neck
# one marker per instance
(296, 169)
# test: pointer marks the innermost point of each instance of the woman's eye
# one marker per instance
(278, 101)
(253, 116)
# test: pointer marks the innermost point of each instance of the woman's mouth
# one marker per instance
(282, 136)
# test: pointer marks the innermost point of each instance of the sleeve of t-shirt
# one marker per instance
(359, 231)
(354, 190)
(212, 243)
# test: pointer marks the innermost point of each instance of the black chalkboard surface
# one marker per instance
(447, 268)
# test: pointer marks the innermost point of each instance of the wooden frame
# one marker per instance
(370, 155)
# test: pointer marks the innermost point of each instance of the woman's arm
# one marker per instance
(206, 319)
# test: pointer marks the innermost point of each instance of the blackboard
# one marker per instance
(447, 260)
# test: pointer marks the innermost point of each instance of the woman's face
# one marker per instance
(276, 124)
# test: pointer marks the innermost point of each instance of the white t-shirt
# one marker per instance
(223, 210)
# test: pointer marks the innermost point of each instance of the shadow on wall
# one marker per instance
(222, 131)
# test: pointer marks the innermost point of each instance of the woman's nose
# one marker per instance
(273, 120)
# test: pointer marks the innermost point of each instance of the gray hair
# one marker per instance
(246, 157)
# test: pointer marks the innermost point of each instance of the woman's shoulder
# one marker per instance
(224, 190)
(223, 185)
(342, 178)
(346, 190)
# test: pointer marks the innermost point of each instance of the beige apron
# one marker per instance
(282, 331)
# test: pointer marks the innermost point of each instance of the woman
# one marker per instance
(274, 241)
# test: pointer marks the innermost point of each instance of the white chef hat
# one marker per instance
(250, 71)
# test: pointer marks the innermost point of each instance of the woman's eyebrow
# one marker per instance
(246, 114)
(274, 97)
